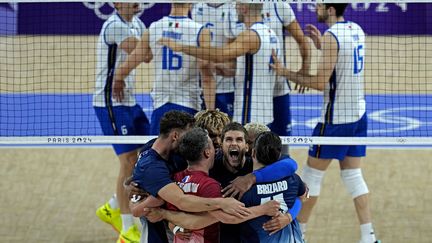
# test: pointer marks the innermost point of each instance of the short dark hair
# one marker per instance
(339, 7)
(234, 126)
(268, 147)
(175, 119)
(193, 144)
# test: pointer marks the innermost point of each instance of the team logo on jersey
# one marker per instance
(105, 10)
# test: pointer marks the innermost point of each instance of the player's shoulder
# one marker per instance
(356, 26)
(149, 157)
(158, 23)
(137, 21)
(112, 21)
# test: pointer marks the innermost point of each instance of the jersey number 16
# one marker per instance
(171, 60)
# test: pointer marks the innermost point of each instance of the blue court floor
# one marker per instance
(72, 114)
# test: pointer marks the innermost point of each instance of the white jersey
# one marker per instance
(255, 80)
(176, 74)
(213, 18)
(109, 56)
(344, 100)
(276, 15)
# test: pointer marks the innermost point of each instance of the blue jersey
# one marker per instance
(285, 191)
(152, 173)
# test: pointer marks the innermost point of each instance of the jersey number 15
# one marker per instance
(358, 59)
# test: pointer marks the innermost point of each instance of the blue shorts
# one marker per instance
(123, 120)
(355, 129)
(225, 103)
(159, 112)
(281, 124)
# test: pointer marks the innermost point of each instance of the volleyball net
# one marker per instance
(49, 69)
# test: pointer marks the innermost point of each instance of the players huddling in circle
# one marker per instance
(223, 175)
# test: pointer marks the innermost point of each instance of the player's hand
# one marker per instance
(300, 88)
(277, 222)
(184, 235)
(170, 43)
(271, 208)
(277, 65)
(233, 207)
(239, 186)
(118, 90)
(305, 195)
(314, 34)
(135, 194)
(153, 214)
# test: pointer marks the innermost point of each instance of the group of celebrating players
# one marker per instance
(231, 57)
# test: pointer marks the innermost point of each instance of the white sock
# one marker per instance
(127, 221)
(113, 202)
(367, 233)
(303, 228)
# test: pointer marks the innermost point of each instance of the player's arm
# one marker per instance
(281, 220)
(297, 33)
(140, 52)
(208, 81)
(269, 173)
(127, 45)
(247, 42)
(137, 207)
(228, 67)
(173, 194)
(270, 208)
(325, 67)
(195, 221)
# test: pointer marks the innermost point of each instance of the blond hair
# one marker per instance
(254, 129)
(212, 120)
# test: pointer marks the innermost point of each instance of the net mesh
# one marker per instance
(49, 70)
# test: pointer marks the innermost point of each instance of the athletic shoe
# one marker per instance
(110, 216)
(131, 236)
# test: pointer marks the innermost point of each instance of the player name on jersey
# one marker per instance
(272, 187)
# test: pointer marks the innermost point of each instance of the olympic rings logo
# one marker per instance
(97, 6)
(389, 120)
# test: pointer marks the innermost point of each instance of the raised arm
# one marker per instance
(208, 81)
(297, 33)
(141, 53)
(326, 66)
(247, 42)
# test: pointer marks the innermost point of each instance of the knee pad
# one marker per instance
(313, 178)
(354, 182)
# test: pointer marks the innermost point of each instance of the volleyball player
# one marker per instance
(118, 38)
(267, 150)
(252, 48)
(341, 77)
(177, 84)
(213, 16)
(279, 16)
